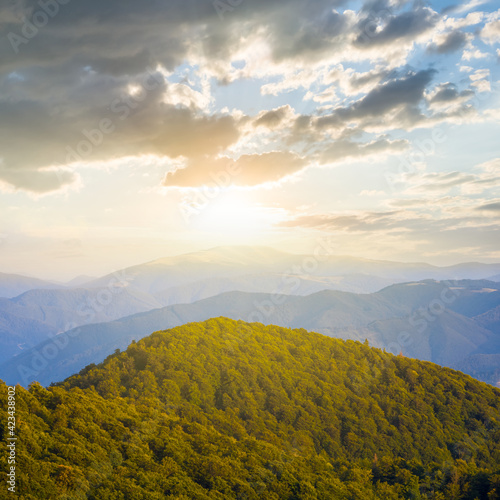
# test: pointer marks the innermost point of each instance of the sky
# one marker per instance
(135, 130)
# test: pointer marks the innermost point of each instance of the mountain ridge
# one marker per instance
(337, 314)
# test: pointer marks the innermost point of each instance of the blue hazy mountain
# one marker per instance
(426, 320)
(12, 285)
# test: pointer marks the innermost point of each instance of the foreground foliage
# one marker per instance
(225, 409)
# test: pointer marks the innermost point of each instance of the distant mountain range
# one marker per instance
(33, 316)
(192, 277)
(446, 323)
(339, 296)
(237, 262)
(206, 273)
(12, 285)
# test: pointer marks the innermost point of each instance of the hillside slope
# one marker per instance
(226, 409)
(78, 306)
(19, 334)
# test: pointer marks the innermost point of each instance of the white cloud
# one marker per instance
(469, 55)
(484, 177)
(184, 95)
(480, 80)
(472, 4)
(491, 32)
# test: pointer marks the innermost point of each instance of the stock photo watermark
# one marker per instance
(291, 281)
(31, 27)
(223, 6)
(197, 201)
(121, 106)
(420, 319)
(11, 439)
(424, 148)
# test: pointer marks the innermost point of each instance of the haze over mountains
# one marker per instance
(259, 267)
(338, 296)
(238, 262)
(403, 317)
(12, 285)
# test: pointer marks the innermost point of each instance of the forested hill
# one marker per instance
(225, 409)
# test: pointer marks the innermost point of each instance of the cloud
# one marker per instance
(352, 83)
(368, 221)
(144, 74)
(480, 80)
(490, 167)
(483, 177)
(365, 82)
(38, 182)
(274, 118)
(180, 94)
(343, 149)
(472, 4)
(447, 95)
(491, 207)
(125, 119)
(418, 228)
(404, 91)
(403, 27)
(399, 94)
(473, 53)
(449, 43)
(442, 182)
(247, 170)
(491, 32)
(307, 32)
(291, 81)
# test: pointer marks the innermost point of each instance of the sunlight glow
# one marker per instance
(233, 213)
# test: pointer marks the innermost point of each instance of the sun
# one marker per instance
(232, 213)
